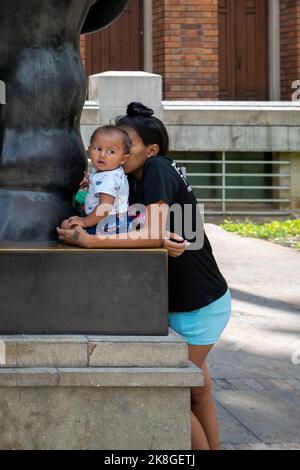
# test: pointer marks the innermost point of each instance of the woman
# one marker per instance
(199, 298)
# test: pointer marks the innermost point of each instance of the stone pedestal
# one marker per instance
(95, 392)
(57, 289)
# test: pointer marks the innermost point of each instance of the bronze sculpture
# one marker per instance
(42, 157)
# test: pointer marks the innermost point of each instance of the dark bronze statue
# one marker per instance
(42, 157)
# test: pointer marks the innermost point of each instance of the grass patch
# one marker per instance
(286, 232)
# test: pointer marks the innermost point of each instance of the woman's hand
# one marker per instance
(175, 249)
(76, 236)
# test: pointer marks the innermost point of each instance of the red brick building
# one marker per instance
(205, 49)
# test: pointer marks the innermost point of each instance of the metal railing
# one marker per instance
(225, 200)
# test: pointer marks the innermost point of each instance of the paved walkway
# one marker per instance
(256, 365)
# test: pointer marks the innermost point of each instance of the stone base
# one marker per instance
(107, 393)
(63, 290)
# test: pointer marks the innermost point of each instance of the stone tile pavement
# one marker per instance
(256, 365)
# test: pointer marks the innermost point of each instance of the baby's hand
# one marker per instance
(76, 221)
(85, 182)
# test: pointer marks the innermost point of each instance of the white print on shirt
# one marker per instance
(188, 187)
(112, 182)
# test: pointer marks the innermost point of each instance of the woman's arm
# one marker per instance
(150, 236)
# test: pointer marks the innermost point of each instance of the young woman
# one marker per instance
(199, 298)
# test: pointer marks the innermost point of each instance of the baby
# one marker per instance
(108, 185)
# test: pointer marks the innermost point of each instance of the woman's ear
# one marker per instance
(153, 150)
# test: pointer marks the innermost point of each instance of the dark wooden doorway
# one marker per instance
(120, 46)
(243, 50)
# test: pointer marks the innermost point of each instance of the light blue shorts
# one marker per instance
(203, 326)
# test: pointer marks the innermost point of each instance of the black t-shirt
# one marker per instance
(194, 277)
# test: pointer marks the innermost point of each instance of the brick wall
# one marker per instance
(185, 45)
(159, 46)
(290, 45)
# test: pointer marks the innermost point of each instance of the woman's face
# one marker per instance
(139, 153)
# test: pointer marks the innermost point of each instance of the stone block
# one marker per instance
(143, 351)
(64, 290)
(90, 418)
(66, 351)
(115, 90)
(44, 351)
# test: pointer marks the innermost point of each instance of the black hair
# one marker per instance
(149, 128)
(114, 129)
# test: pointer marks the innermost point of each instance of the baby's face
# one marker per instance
(107, 151)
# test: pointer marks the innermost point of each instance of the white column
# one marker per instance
(148, 36)
(114, 90)
(274, 50)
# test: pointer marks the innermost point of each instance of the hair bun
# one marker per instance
(138, 109)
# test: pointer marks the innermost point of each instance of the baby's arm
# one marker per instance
(106, 203)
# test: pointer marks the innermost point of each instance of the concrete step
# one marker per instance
(102, 377)
(23, 351)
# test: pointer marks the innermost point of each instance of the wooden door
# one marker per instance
(120, 46)
(243, 51)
